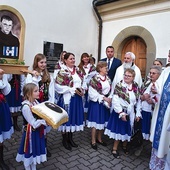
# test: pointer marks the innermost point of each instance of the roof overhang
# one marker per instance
(116, 9)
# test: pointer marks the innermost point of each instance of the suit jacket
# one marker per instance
(115, 64)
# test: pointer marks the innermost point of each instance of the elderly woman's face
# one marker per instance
(128, 77)
(103, 71)
(154, 74)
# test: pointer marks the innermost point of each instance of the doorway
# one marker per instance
(136, 45)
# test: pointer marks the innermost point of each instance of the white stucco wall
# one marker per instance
(157, 24)
(69, 22)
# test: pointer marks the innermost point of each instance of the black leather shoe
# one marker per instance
(115, 153)
(94, 146)
(73, 144)
(101, 143)
(70, 140)
(66, 145)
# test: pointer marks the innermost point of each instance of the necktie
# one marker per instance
(108, 64)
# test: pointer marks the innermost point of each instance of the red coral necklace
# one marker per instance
(103, 79)
(72, 72)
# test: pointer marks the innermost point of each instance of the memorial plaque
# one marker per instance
(52, 52)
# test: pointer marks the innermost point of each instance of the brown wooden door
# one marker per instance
(138, 47)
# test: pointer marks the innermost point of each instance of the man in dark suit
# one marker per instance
(113, 63)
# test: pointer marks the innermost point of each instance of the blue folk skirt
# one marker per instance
(146, 124)
(75, 112)
(98, 115)
(36, 149)
(14, 99)
(6, 128)
(117, 128)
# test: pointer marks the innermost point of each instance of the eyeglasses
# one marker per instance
(153, 73)
(125, 75)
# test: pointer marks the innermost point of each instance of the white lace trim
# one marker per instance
(31, 160)
(15, 109)
(117, 136)
(145, 136)
(97, 126)
(71, 128)
(6, 135)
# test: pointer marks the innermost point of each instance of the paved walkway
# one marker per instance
(81, 158)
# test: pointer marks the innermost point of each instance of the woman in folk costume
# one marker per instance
(126, 107)
(89, 70)
(42, 78)
(14, 98)
(6, 128)
(69, 86)
(59, 64)
(160, 137)
(148, 101)
(99, 103)
(32, 148)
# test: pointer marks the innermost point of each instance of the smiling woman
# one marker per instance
(125, 110)
(69, 89)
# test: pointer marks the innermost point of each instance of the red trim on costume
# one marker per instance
(26, 145)
(72, 72)
(2, 98)
(41, 131)
(103, 79)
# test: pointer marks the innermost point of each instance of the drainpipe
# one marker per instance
(95, 4)
(100, 28)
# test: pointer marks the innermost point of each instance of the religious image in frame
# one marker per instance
(12, 28)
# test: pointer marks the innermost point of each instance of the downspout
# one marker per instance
(100, 2)
(100, 28)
